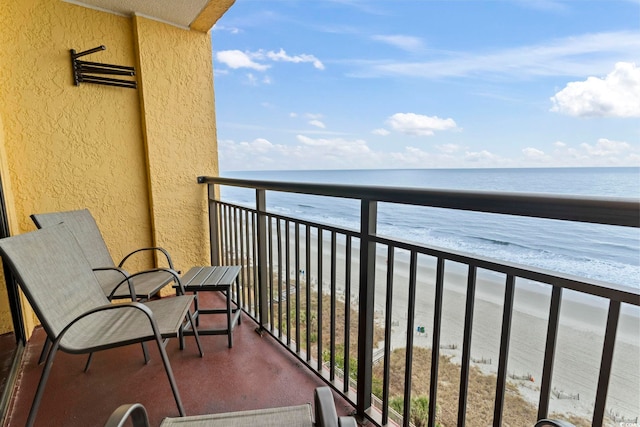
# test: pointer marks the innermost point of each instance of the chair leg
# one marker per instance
(145, 352)
(239, 301)
(86, 366)
(195, 333)
(172, 380)
(43, 381)
(45, 349)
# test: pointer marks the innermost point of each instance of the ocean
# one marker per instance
(607, 253)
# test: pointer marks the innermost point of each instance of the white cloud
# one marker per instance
(408, 43)
(335, 146)
(448, 148)
(616, 95)
(605, 148)
(231, 30)
(571, 56)
(238, 59)
(481, 156)
(417, 124)
(381, 132)
(281, 55)
(317, 123)
(531, 153)
(306, 152)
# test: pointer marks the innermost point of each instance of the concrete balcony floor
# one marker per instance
(256, 373)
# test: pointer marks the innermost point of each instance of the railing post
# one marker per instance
(368, 220)
(261, 207)
(214, 226)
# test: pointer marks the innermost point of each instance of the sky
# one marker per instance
(374, 84)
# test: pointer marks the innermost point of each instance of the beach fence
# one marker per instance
(363, 262)
(616, 417)
(561, 394)
(481, 360)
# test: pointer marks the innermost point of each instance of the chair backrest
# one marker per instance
(54, 274)
(85, 229)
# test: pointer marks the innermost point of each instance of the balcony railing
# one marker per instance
(313, 286)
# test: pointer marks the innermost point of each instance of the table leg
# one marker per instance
(229, 332)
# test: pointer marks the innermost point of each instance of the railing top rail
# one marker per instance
(599, 210)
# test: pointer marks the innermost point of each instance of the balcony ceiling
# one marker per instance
(181, 13)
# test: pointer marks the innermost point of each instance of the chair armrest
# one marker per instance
(125, 279)
(553, 423)
(135, 411)
(347, 422)
(325, 408)
(175, 274)
(152, 248)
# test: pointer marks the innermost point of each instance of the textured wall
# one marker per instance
(69, 147)
(179, 124)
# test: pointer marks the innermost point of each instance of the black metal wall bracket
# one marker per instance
(85, 71)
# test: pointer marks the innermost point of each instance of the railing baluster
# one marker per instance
(505, 336)
(228, 234)
(308, 288)
(466, 346)
(347, 316)
(287, 284)
(411, 310)
(246, 289)
(297, 320)
(242, 259)
(214, 225)
(261, 207)
(271, 273)
(435, 344)
(368, 225)
(605, 363)
(549, 352)
(256, 262)
(320, 257)
(387, 335)
(236, 233)
(279, 260)
(332, 310)
(224, 224)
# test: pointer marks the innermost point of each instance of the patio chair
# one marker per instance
(64, 293)
(553, 423)
(294, 416)
(116, 282)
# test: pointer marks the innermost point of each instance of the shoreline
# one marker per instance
(580, 335)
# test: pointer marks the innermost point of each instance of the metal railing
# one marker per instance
(312, 286)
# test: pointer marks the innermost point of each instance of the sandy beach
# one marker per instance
(580, 336)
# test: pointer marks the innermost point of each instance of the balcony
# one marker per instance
(346, 307)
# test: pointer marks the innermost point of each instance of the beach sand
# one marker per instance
(580, 336)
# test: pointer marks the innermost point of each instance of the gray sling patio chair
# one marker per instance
(294, 416)
(116, 282)
(78, 318)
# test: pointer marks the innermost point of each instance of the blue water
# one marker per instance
(607, 253)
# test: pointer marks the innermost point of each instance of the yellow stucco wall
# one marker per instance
(179, 124)
(130, 156)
